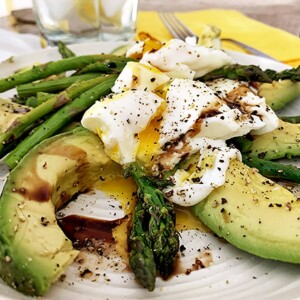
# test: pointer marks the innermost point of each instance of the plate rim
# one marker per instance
(110, 45)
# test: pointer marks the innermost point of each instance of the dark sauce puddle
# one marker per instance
(79, 229)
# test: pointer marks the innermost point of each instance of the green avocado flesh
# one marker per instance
(279, 143)
(279, 93)
(34, 251)
(254, 214)
(9, 112)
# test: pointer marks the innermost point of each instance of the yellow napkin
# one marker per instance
(277, 43)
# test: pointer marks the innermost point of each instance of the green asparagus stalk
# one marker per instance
(14, 143)
(166, 242)
(56, 67)
(292, 74)
(103, 67)
(64, 50)
(52, 86)
(238, 72)
(252, 73)
(273, 170)
(141, 257)
(243, 143)
(62, 117)
(159, 219)
(33, 101)
(291, 119)
(20, 125)
(37, 100)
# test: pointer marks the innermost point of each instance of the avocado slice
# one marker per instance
(254, 214)
(279, 93)
(279, 143)
(9, 112)
(34, 251)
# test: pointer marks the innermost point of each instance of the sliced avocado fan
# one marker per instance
(279, 93)
(279, 143)
(34, 251)
(254, 214)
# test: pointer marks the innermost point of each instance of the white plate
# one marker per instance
(13, 43)
(234, 274)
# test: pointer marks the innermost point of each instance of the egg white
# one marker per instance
(181, 60)
(139, 76)
(119, 119)
(208, 173)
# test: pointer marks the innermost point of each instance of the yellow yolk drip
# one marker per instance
(124, 190)
(148, 145)
(148, 139)
(120, 188)
(120, 235)
(114, 153)
(150, 44)
(185, 220)
(162, 93)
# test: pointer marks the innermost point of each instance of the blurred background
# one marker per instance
(284, 14)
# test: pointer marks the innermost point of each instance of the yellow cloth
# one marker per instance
(277, 43)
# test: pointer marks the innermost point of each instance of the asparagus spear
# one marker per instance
(20, 125)
(164, 235)
(49, 86)
(62, 117)
(290, 119)
(243, 143)
(65, 51)
(238, 72)
(37, 100)
(103, 67)
(42, 71)
(291, 74)
(9, 147)
(141, 257)
(274, 170)
(159, 219)
(252, 73)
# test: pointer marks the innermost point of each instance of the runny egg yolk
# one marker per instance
(148, 140)
(186, 220)
(121, 189)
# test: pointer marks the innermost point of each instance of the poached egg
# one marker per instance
(160, 121)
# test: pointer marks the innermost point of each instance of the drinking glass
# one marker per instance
(118, 19)
(69, 21)
(75, 21)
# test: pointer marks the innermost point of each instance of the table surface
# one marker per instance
(284, 14)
